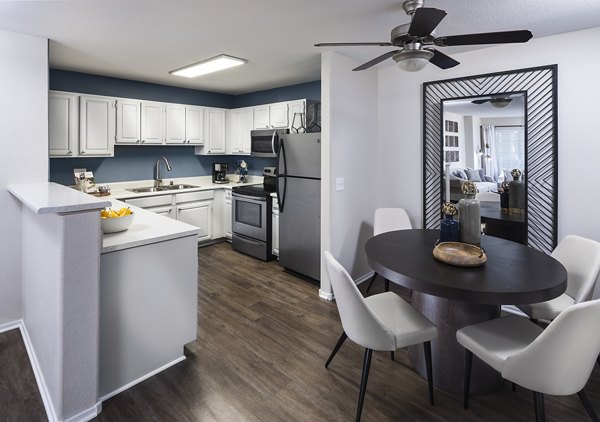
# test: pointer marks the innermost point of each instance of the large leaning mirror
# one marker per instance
(479, 128)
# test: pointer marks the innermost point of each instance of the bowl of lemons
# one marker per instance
(114, 221)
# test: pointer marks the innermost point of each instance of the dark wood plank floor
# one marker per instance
(263, 337)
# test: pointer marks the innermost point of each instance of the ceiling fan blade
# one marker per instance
(349, 44)
(503, 37)
(479, 101)
(425, 20)
(441, 60)
(376, 60)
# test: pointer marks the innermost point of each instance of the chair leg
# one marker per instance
(598, 360)
(588, 405)
(513, 387)
(538, 404)
(387, 285)
(343, 338)
(392, 355)
(427, 350)
(371, 283)
(467, 380)
(363, 382)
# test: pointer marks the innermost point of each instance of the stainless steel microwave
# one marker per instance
(265, 142)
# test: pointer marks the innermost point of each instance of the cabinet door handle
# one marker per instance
(69, 152)
(82, 152)
(143, 140)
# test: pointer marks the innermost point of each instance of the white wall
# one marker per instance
(23, 149)
(400, 105)
(349, 104)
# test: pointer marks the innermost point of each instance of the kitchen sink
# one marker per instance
(161, 188)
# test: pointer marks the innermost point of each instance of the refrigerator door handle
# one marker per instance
(281, 195)
(273, 138)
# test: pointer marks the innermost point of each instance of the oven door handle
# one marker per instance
(283, 175)
(248, 197)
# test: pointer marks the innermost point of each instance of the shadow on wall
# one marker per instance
(135, 163)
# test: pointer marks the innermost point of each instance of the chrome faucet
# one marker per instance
(157, 175)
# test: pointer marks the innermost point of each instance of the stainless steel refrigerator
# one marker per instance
(299, 200)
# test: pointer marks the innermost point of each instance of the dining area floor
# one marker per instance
(263, 338)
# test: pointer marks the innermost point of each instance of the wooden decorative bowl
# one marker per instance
(460, 254)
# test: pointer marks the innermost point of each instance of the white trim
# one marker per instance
(142, 378)
(364, 278)
(325, 295)
(7, 326)
(39, 377)
(87, 414)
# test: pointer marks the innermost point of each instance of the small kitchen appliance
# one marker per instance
(219, 173)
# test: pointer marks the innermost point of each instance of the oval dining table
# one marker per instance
(454, 297)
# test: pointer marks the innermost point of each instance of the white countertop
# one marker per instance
(52, 198)
(147, 228)
(119, 190)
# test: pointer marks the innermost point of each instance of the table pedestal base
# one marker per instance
(448, 356)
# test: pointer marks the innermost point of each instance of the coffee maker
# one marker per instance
(219, 173)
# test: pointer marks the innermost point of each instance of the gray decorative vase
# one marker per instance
(469, 215)
(516, 198)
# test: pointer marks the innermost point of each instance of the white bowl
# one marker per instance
(116, 224)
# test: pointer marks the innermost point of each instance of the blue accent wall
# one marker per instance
(137, 162)
(308, 90)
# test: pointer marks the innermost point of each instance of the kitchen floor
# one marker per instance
(263, 338)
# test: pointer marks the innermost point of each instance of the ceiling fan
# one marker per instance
(413, 40)
(498, 102)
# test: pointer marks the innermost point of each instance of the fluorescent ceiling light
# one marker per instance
(204, 67)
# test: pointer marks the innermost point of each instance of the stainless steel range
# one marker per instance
(251, 219)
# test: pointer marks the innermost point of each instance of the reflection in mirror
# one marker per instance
(483, 141)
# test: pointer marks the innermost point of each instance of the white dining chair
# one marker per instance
(556, 361)
(387, 220)
(581, 258)
(382, 322)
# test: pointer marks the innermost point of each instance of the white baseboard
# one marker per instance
(512, 309)
(7, 326)
(39, 377)
(142, 378)
(325, 295)
(364, 278)
(84, 416)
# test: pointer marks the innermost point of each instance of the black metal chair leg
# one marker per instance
(387, 285)
(467, 380)
(598, 360)
(538, 404)
(392, 355)
(588, 405)
(363, 382)
(343, 338)
(427, 350)
(371, 283)
(513, 387)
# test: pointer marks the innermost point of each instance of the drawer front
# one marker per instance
(150, 201)
(194, 196)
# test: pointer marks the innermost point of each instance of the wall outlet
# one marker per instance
(339, 184)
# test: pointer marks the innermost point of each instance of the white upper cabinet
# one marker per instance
(271, 116)
(128, 122)
(153, 123)
(194, 125)
(214, 132)
(175, 124)
(240, 123)
(96, 125)
(63, 124)
(278, 115)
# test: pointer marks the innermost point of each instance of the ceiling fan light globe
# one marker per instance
(413, 60)
(500, 102)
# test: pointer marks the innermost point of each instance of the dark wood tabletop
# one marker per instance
(513, 274)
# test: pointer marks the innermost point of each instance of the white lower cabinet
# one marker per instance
(197, 214)
(275, 229)
(195, 208)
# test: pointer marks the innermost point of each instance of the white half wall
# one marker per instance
(400, 105)
(349, 112)
(23, 149)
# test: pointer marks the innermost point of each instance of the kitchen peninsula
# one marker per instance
(117, 308)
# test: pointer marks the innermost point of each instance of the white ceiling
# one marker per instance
(145, 39)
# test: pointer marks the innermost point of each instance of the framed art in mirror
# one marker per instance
(539, 87)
